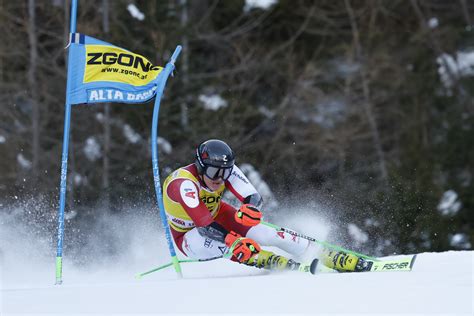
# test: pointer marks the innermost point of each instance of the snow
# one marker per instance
(212, 102)
(22, 161)
(92, 149)
(440, 283)
(449, 204)
(78, 179)
(432, 287)
(164, 145)
(328, 113)
(460, 241)
(70, 215)
(260, 4)
(266, 112)
(132, 136)
(371, 222)
(357, 234)
(100, 117)
(461, 65)
(135, 12)
(433, 23)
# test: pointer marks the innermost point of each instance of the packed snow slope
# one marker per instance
(99, 281)
(440, 283)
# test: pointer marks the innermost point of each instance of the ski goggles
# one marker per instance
(214, 173)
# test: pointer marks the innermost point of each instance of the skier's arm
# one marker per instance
(241, 187)
(254, 199)
(248, 215)
(186, 193)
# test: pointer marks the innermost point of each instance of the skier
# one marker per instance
(203, 226)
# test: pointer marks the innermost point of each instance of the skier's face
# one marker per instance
(213, 185)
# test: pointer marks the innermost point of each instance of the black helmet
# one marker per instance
(215, 159)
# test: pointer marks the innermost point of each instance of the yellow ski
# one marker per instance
(404, 264)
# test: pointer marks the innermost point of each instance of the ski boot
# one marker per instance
(345, 262)
(270, 261)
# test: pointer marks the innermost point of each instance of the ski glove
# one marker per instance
(248, 215)
(242, 248)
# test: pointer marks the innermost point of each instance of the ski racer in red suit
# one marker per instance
(203, 226)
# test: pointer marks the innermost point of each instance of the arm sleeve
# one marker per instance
(241, 187)
(254, 199)
(186, 193)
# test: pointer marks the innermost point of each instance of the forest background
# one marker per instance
(362, 108)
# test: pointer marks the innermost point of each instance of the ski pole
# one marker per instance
(325, 244)
(140, 275)
(226, 255)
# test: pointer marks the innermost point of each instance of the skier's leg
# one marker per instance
(301, 248)
(195, 246)
(304, 250)
(267, 236)
(343, 262)
(264, 235)
(271, 261)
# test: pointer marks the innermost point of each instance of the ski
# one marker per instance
(307, 267)
(404, 264)
(382, 265)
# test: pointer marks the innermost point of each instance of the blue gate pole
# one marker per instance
(64, 158)
(154, 152)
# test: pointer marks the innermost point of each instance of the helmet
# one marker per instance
(215, 159)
